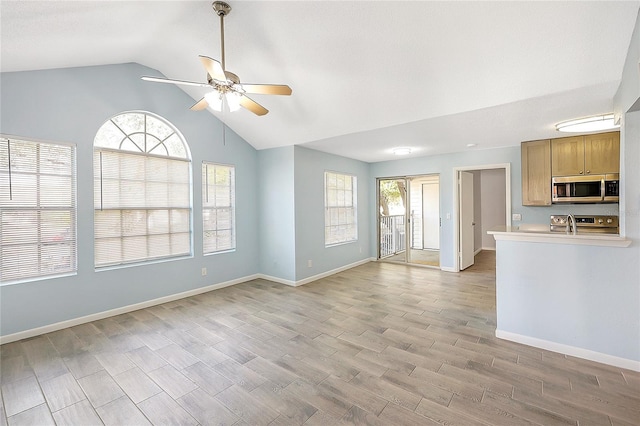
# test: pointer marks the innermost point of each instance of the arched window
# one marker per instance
(142, 190)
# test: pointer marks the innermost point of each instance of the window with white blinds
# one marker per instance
(142, 191)
(218, 207)
(37, 209)
(340, 208)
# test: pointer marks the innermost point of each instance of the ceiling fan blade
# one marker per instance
(200, 105)
(213, 67)
(252, 105)
(267, 89)
(168, 80)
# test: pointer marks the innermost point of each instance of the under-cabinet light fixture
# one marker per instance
(588, 124)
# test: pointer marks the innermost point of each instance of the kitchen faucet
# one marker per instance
(571, 224)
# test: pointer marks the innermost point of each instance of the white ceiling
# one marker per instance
(366, 76)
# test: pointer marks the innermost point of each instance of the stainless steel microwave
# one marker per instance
(585, 189)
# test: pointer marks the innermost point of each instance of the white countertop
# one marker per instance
(542, 234)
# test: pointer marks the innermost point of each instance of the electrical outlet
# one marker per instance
(448, 216)
(516, 216)
(204, 272)
(310, 263)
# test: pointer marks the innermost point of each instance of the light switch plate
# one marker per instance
(516, 216)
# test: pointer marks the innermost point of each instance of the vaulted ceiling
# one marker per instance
(367, 76)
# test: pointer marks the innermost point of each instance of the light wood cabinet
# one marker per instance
(536, 173)
(567, 156)
(602, 153)
(586, 155)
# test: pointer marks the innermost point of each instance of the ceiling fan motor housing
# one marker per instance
(221, 8)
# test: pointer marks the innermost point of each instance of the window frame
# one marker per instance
(349, 237)
(71, 238)
(146, 156)
(232, 207)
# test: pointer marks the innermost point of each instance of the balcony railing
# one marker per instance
(392, 235)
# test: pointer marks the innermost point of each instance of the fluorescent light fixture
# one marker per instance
(471, 145)
(402, 151)
(588, 124)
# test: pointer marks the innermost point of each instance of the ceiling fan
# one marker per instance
(225, 86)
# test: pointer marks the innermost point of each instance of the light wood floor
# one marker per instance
(380, 344)
(420, 257)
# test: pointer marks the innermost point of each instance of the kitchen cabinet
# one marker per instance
(602, 153)
(585, 155)
(536, 173)
(567, 156)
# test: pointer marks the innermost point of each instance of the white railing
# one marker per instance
(392, 235)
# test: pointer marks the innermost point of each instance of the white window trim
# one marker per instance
(124, 152)
(354, 205)
(73, 209)
(232, 188)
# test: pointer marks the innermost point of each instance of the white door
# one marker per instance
(431, 215)
(466, 220)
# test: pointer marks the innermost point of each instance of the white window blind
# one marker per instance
(218, 207)
(340, 213)
(37, 209)
(142, 191)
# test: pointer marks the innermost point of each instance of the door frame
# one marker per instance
(456, 203)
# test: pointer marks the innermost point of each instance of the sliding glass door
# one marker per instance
(409, 219)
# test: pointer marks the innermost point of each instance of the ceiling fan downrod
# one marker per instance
(222, 9)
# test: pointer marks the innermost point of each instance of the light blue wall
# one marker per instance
(277, 212)
(310, 166)
(69, 105)
(581, 296)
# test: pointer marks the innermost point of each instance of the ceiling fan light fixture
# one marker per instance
(233, 101)
(214, 99)
(588, 124)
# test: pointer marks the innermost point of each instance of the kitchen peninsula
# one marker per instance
(562, 292)
(541, 234)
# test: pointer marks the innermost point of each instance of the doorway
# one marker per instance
(482, 200)
(409, 220)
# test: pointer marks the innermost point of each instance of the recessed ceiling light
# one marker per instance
(588, 124)
(402, 151)
(471, 145)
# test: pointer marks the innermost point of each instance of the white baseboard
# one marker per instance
(118, 311)
(489, 248)
(570, 350)
(142, 305)
(315, 277)
(333, 271)
(448, 269)
(277, 280)
(477, 251)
